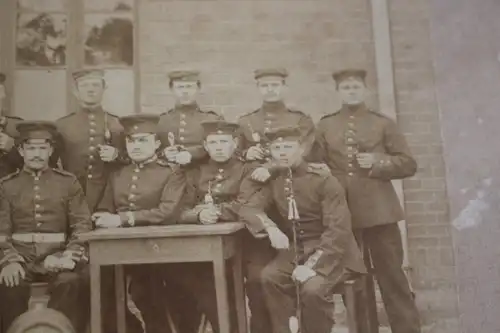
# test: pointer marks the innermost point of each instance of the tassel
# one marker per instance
(295, 209)
(290, 209)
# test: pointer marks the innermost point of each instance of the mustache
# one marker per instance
(36, 159)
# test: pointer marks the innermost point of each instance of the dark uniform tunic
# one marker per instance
(373, 202)
(152, 191)
(232, 190)
(184, 123)
(269, 117)
(50, 202)
(81, 133)
(325, 243)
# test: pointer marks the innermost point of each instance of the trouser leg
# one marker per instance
(70, 294)
(257, 254)
(386, 248)
(13, 302)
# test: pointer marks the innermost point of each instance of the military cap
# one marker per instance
(281, 72)
(339, 76)
(36, 129)
(184, 75)
(78, 74)
(3, 77)
(284, 134)
(219, 127)
(140, 123)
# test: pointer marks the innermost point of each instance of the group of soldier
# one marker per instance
(310, 197)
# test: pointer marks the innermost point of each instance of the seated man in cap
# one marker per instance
(324, 251)
(220, 191)
(180, 131)
(42, 211)
(146, 192)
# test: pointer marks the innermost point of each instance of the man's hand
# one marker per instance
(183, 157)
(54, 263)
(255, 153)
(320, 168)
(108, 153)
(108, 220)
(261, 175)
(303, 273)
(209, 215)
(6, 142)
(171, 153)
(12, 274)
(278, 239)
(366, 160)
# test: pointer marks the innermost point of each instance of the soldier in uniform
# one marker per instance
(222, 190)
(10, 160)
(91, 139)
(180, 131)
(324, 251)
(253, 146)
(365, 150)
(90, 146)
(146, 192)
(42, 210)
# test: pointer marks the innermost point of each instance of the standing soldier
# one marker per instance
(42, 210)
(324, 251)
(365, 151)
(89, 145)
(273, 114)
(253, 146)
(146, 192)
(90, 138)
(10, 160)
(180, 130)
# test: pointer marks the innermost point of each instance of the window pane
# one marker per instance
(42, 5)
(109, 5)
(119, 95)
(41, 39)
(109, 40)
(40, 94)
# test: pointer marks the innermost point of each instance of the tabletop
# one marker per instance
(177, 230)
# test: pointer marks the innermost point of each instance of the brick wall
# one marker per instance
(227, 40)
(430, 233)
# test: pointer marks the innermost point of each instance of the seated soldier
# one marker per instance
(217, 192)
(146, 192)
(42, 210)
(324, 251)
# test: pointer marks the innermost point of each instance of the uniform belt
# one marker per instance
(40, 238)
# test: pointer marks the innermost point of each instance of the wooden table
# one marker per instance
(167, 244)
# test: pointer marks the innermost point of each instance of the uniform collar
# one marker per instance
(94, 109)
(358, 109)
(37, 173)
(274, 106)
(186, 108)
(146, 162)
(298, 170)
(224, 165)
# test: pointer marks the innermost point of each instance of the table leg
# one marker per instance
(95, 298)
(221, 290)
(239, 290)
(120, 298)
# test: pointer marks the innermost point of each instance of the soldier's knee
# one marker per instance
(269, 275)
(69, 278)
(313, 290)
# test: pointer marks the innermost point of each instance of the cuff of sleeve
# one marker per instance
(190, 216)
(11, 257)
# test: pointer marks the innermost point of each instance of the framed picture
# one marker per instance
(41, 39)
(109, 40)
(45, 6)
(108, 5)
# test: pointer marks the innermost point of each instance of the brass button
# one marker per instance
(38, 215)
(91, 157)
(183, 123)
(181, 130)
(91, 139)
(38, 225)
(266, 129)
(36, 188)
(137, 170)
(89, 176)
(350, 174)
(37, 206)
(91, 116)
(134, 177)
(131, 205)
(131, 196)
(92, 123)
(37, 197)
(90, 166)
(37, 178)
(91, 148)
(350, 165)
(181, 138)
(183, 116)
(133, 186)
(219, 177)
(221, 170)
(92, 131)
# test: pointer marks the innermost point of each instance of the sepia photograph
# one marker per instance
(249, 166)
